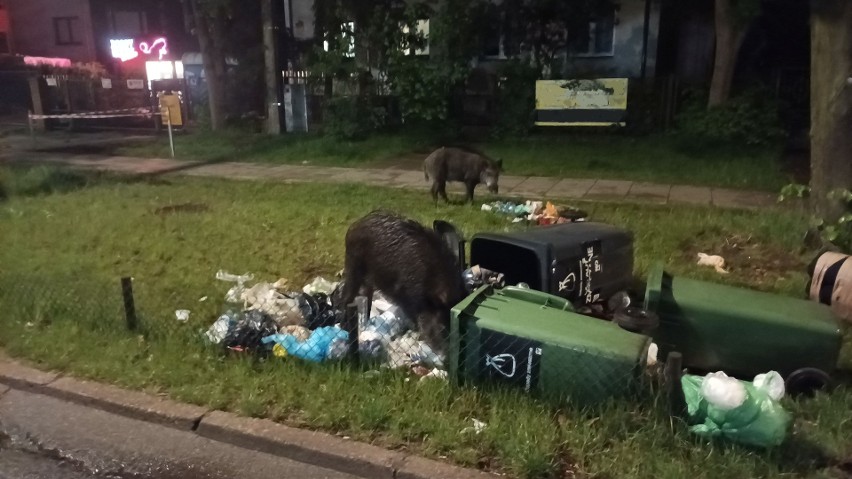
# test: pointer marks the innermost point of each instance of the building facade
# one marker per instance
(86, 31)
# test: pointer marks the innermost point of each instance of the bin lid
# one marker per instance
(547, 318)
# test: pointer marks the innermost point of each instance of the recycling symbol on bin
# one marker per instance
(504, 364)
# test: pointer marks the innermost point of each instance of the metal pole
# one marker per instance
(129, 305)
(169, 123)
(30, 123)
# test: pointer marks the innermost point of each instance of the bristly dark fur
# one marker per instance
(410, 264)
(464, 165)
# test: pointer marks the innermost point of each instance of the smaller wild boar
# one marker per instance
(462, 165)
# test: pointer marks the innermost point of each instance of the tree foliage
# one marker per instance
(385, 38)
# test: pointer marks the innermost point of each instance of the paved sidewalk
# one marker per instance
(510, 186)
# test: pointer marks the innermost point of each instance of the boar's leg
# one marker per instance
(470, 186)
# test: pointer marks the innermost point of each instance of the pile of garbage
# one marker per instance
(536, 212)
(270, 318)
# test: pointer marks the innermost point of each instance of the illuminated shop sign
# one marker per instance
(126, 49)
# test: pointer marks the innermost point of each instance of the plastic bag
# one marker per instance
(319, 285)
(324, 343)
(234, 295)
(219, 330)
(740, 411)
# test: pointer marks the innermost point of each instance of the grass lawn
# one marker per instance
(652, 159)
(65, 240)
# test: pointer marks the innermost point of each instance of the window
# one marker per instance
(129, 24)
(347, 30)
(67, 31)
(422, 29)
(4, 43)
(598, 38)
(500, 36)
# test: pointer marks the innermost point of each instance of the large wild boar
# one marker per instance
(410, 264)
(462, 165)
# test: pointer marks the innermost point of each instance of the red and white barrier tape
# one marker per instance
(128, 112)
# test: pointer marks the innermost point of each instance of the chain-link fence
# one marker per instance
(502, 334)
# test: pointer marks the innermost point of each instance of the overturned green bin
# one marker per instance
(535, 341)
(743, 332)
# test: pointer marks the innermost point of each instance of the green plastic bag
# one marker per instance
(740, 411)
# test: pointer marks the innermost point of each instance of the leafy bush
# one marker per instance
(516, 99)
(839, 232)
(749, 119)
(352, 117)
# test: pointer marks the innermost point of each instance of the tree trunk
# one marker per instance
(273, 123)
(831, 104)
(207, 29)
(729, 38)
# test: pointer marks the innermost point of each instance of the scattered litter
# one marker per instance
(284, 309)
(409, 350)
(319, 285)
(535, 212)
(202, 299)
(435, 374)
(233, 296)
(233, 278)
(220, 329)
(478, 427)
(250, 330)
(715, 261)
(324, 343)
(275, 319)
(748, 413)
(653, 352)
(182, 314)
(301, 333)
(477, 276)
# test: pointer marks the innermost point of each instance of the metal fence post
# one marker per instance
(674, 391)
(357, 314)
(129, 305)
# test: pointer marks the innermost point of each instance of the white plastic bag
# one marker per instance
(772, 383)
(723, 392)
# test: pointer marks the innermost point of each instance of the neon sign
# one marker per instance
(148, 49)
(125, 50)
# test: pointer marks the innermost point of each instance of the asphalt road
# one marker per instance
(46, 438)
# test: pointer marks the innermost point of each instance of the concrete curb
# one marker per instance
(309, 447)
(132, 404)
(18, 376)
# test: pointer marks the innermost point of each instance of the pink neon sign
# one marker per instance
(125, 50)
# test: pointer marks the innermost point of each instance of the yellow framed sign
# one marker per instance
(171, 103)
(601, 102)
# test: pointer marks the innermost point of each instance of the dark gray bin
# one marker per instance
(582, 262)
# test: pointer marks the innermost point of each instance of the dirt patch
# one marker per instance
(182, 208)
(744, 255)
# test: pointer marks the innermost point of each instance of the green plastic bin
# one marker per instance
(535, 341)
(741, 331)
